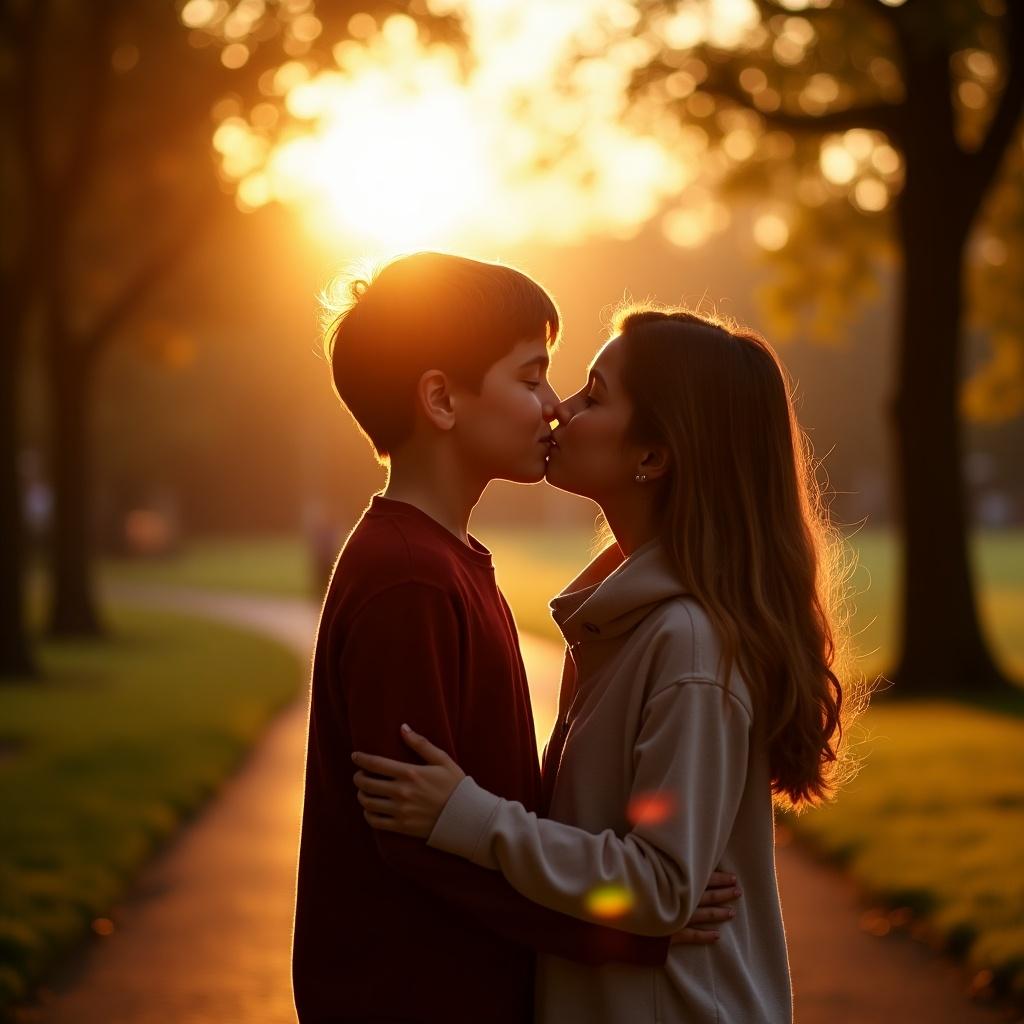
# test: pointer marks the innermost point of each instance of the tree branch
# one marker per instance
(146, 278)
(985, 161)
(883, 117)
(874, 8)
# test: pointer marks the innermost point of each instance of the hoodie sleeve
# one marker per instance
(691, 754)
(398, 664)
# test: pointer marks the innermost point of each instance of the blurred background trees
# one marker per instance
(880, 128)
(846, 173)
(108, 183)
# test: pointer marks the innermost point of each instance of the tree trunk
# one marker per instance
(943, 647)
(73, 611)
(15, 650)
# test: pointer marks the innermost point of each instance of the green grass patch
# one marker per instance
(278, 565)
(532, 566)
(999, 564)
(935, 822)
(103, 757)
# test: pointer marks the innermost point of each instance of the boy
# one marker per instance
(442, 362)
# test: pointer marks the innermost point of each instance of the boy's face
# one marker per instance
(503, 432)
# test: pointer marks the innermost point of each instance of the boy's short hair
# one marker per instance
(428, 311)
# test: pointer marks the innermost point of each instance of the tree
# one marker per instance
(107, 182)
(812, 89)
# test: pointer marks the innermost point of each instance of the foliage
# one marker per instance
(796, 105)
(934, 826)
(100, 764)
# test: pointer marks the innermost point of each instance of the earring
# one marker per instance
(641, 478)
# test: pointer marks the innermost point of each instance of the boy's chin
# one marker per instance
(527, 476)
(525, 473)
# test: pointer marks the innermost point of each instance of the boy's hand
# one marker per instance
(411, 796)
(721, 889)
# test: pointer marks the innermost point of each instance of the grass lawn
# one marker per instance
(101, 761)
(934, 823)
(935, 820)
(259, 565)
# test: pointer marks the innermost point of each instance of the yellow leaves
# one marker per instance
(996, 392)
(828, 268)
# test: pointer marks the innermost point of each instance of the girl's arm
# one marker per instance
(691, 755)
(690, 770)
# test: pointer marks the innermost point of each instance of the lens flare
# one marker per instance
(650, 808)
(609, 901)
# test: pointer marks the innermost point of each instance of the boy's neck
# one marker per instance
(435, 487)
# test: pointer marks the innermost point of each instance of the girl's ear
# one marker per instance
(656, 462)
(434, 399)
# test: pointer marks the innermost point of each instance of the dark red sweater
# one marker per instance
(415, 629)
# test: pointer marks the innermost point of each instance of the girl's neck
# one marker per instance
(633, 522)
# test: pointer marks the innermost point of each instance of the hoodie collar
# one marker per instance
(621, 600)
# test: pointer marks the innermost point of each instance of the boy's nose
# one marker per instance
(560, 411)
(552, 407)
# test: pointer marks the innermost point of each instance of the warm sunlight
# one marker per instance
(402, 144)
(397, 159)
(406, 147)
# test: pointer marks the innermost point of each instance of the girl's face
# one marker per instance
(591, 454)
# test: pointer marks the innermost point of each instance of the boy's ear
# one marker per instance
(434, 397)
(656, 462)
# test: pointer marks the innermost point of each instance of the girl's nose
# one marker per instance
(562, 412)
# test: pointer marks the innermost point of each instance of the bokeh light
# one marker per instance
(609, 901)
(400, 146)
(771, 231)
(650, 808)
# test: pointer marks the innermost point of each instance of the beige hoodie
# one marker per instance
(661, 775)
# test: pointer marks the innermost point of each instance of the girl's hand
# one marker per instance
(411, 799)
(710, 910)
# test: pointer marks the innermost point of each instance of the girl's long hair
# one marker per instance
(743, 520)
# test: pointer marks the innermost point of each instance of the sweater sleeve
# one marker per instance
(691, 754)
(400, 663)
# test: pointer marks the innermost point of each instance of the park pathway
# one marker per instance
(204, 936)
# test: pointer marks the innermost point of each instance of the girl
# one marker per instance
(701, 680)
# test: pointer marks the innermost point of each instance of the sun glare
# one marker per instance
(405, 144)
(398, 161)
(397, 147)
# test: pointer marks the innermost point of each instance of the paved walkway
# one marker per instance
(205, 936)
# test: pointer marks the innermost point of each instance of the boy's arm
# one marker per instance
(400, 664)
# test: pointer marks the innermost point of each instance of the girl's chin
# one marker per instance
(557, 477)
